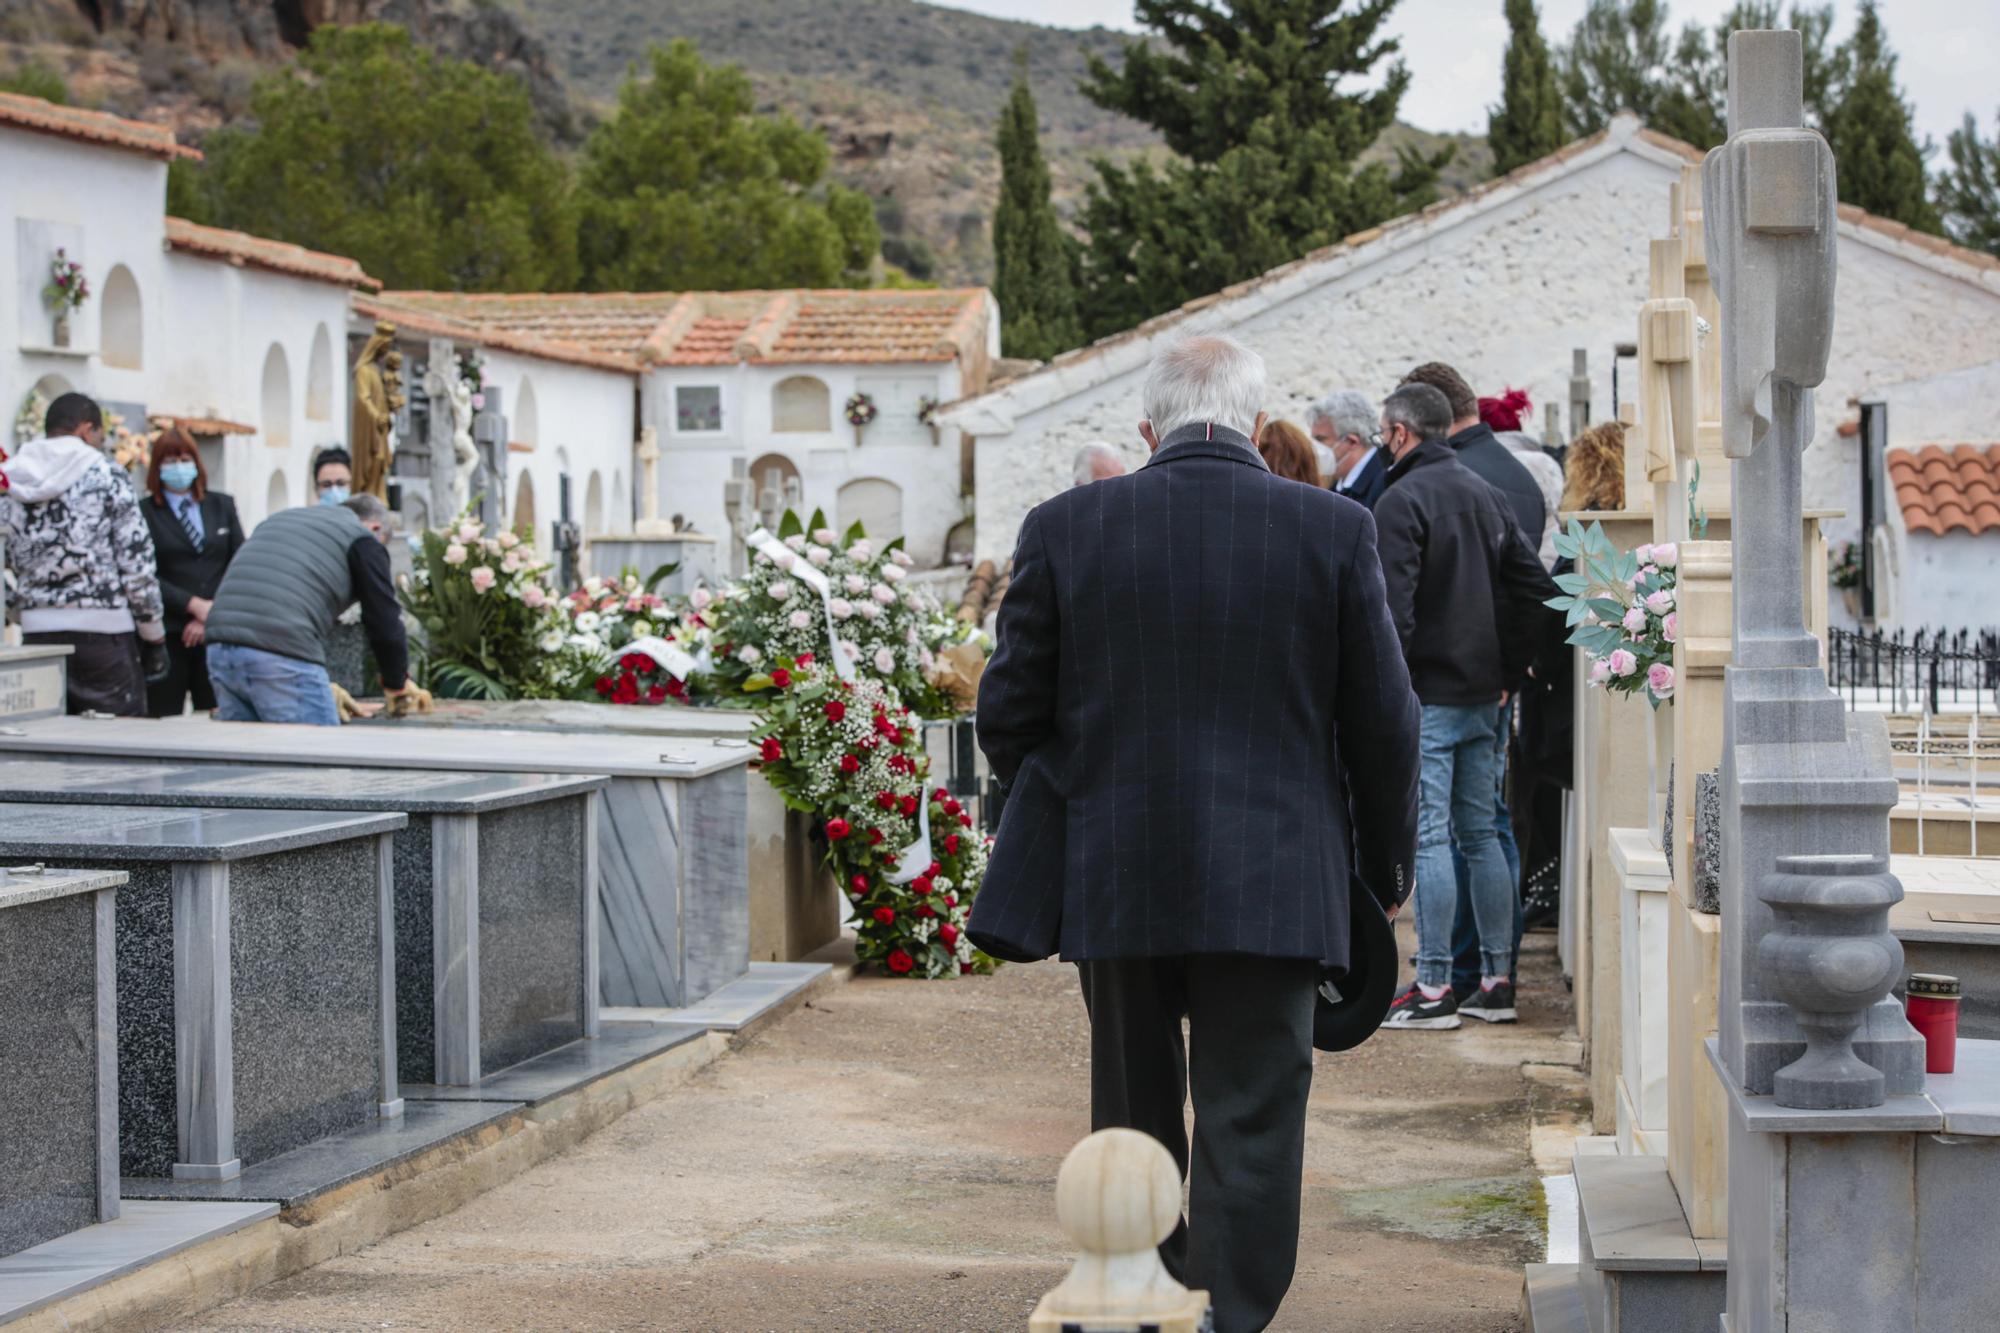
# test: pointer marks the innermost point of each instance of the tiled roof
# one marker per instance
(201, 425)
(1942, 490)
(425, 319)
(243, 249)
(32, 113)
(721, 328)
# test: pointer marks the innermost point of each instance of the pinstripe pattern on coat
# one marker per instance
(1202, 707)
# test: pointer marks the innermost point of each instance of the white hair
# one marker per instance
(1204, 377)
(1351, 411)
(1084, 470)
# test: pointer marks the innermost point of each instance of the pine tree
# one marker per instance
(1528, 123)
(1694, 106)
(1248, 94)
(1969, 190)
(1033, 258)
(1617, 60)
(1879, 162)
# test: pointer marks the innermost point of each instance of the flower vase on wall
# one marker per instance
(857, 437)
(60, 334)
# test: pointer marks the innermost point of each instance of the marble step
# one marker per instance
(1641, 1269)
(1552, 1300)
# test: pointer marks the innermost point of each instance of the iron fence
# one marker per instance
(1917, 671)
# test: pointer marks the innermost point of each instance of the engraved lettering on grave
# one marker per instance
(30, 689)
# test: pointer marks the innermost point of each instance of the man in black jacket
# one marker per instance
(1465, 592)
(1189, 659)
(1344, 421)
(268, 628)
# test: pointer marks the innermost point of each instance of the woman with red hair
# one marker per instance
(195, 535)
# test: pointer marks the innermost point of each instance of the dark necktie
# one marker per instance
(186, 513)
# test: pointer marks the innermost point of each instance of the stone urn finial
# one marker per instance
(1118, 1196)
(1829, 955)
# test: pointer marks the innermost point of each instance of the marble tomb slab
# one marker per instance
(673, 851)
(496, 906)
(255, 971)
(144, 1233)
(34, 680)
(616, 1046)
(58, 1053)
(738, 1004)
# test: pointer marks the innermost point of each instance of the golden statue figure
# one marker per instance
(377, 398)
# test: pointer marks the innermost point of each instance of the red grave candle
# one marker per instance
(1931, 1004)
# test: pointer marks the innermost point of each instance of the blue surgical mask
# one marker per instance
(333, 495)
(178, 475)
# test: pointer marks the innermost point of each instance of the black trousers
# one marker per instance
(1248, 1062)
(104, 671)
(187, 674)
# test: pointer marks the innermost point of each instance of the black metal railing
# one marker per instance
(1929, 671)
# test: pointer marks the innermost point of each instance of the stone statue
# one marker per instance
(649, 481)
(451, 408)
(377, 399)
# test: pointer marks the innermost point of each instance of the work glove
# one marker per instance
(412, 698)
(153, 660)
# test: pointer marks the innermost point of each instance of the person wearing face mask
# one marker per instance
(195, 535)
(333, 475)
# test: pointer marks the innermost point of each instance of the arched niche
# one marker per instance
(876, 504)
(277, 495)
(526, 426)
(621, 503)
(319, 377)
(277, 398)
(593, 505)
(801, 403)
(523, 521)
(775, 485)
(122, 328)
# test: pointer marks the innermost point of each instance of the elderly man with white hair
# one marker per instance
(1344, 422)
(1190, 658)
(1096, 461)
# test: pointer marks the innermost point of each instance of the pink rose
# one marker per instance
(867, 610)
(840, 607)
(1670, 628)
(701, 599)
(1667, 554)
(892, 573)
(533, 596)
(1621, 663)
(454, 554)
(1644, 553)
(780, 590)
(1635, 620)
(883, 593)
(1660, 680)
(824, 536)
(1661, 602)
(1600, 671)
(482, 578)
(799, 620)
(855, 583)
(885, 661)
(902, 557)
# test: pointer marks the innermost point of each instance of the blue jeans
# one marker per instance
(1456, 806)
(252, 685)
(1465, 964)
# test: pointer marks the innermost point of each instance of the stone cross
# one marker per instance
(1799, 774)
(1666, 377)
(649, 480)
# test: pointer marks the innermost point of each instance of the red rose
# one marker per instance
(874, 837)
(921, 885)
(940, 795)
(886, 799)
(900, 962)
(952, 807)
(636, 662)
(849, 764)
(835, 709)
(923, 910)
(604, 684)
(965, 969)
(627, 681)
(949, 934)
(838, 829)
(908, 805)
(934, 869)
(806, 659)
(886, 915)
(860, 883)
(951, 900)
(965, 821)
(656, 694)
(951, 844)
(781, 678)
(772, 752)
(895, 736)
(676, 688)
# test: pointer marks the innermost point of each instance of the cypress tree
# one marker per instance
(1881, 165)
(1969, 190)
(1032, 256)
(1528, 123)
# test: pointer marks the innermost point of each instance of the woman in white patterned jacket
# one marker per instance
(83, 560)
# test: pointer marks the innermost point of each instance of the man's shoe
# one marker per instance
(1413, 1010)
(1492, 1006)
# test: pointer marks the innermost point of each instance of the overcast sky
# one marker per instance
(1946, 50)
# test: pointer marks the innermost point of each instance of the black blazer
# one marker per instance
(1371, 479)
(185, 572)
(1190, 659)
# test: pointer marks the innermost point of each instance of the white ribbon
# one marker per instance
(672, 656)
(792, 562)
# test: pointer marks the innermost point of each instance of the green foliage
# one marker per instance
(425, 169)
(1693, 106)
(1616, 60)
(1248, 93)
(488, 642)
(1033, 258)
(687, 187)
(1881, 164)
(1969, 190)
(34, 78)
(1619, 607)
(1528, 123)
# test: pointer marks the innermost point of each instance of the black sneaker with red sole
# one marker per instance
(1491, 1006)
(1412, 1010)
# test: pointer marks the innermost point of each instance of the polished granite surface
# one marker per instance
(145, 1234)
(566, 1068)
(32, 883)
(67, 832)
(561, 715)
(277, 786)
(736, 1005)
(147, 1099)
(416, 969)
(531, 899)
(48, 1056)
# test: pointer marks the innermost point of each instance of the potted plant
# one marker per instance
(860, 411)
(927, 410)
(1844, 569)
(66, 291)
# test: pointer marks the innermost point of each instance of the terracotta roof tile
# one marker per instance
(32, 113)
(414, 318)
(1947, 489)
(201, 425)
(241, 248)
(720, 328)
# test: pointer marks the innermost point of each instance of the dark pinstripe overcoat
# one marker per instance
(1196, 678)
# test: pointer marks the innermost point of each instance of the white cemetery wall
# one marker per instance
(103, 206)
(775, 419)
(568, 417)
(265, 349)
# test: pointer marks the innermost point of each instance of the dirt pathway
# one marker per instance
(884, 1160)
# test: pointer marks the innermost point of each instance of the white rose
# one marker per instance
(856, 584)
(910, 636)
(590, 643)
(701, 599)
(862, 550)
(552, 642)
(914, 602)
(781, 590)
(594, 586)
(892, 573)
(825, 536)
(785, 560)
(509, 539)
(868, 611)
(799, 619)
(884, 594)
(796, 541)
(641, 628)
(901, 557)
(468, 531)
(851, 648)
(586, 621)
(510, 563)
(454, 554)
(819, 555)
(885, 661)
(750, 655)
(841, 608)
